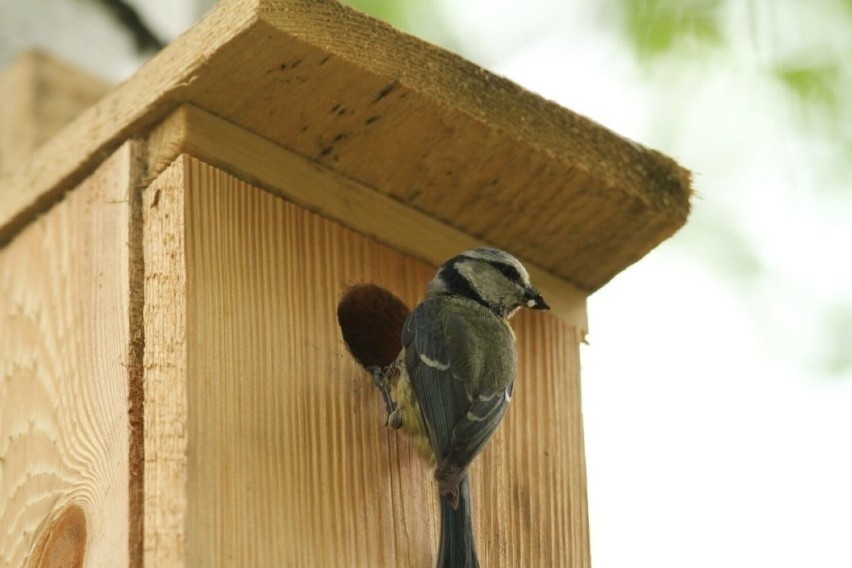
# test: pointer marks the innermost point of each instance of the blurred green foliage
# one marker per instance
(655, 27)
(393, 12)
(812, 83)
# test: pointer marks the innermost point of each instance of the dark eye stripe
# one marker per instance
(507, 270)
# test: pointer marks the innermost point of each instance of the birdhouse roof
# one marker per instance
(409, 120)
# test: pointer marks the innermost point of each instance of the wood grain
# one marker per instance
(408, 119)
(166, 438)
(269, 447)
(190, 130)
(63, 378)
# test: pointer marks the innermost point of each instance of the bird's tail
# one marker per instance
(457, 547)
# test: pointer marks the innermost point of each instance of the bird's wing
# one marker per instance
(476, 427)
(461, 363)
(428, 364)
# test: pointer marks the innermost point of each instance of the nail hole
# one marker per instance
(371, 319)
(63, 542)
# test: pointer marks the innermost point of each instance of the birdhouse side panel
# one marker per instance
(64, 359)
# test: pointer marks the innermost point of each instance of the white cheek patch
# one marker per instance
(433, 363)
(531, 303)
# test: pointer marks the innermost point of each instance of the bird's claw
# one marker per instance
(381, 382)
(394, 419)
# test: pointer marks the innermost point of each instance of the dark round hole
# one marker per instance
(371, 319)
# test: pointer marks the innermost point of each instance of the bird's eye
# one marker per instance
(509, 272)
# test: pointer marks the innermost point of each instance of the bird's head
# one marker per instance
(490, 276)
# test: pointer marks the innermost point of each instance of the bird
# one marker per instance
(452, 382)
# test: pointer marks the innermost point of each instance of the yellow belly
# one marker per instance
(408, 411)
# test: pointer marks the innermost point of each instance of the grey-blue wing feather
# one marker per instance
(461, 364)
(479, 423)
(428, 366)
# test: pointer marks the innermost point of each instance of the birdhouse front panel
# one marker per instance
(274, 449)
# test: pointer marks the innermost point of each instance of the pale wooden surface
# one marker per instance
(41, 94)
(166, 436)
(268, 445)
(192, 131)
(406, 118)
(63, 376)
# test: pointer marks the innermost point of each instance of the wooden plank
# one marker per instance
(284, 459)
(165, 370)
(406, 118)
(192, 131)
(64, 433)
(40, 95)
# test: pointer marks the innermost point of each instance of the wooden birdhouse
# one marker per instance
(177, 262)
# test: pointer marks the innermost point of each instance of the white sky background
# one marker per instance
(717, 430)
(715, 433)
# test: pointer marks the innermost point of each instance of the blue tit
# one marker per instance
(453, 380)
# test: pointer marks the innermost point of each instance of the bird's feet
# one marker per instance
(380, 379)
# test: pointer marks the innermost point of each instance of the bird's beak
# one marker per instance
(534, 300)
